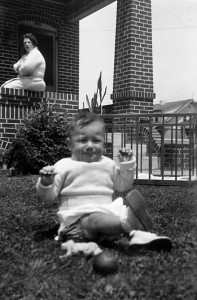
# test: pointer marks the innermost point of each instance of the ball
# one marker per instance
(105, 263)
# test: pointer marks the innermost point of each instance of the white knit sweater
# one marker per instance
(88, 187)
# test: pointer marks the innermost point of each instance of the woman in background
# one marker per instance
(30, 68)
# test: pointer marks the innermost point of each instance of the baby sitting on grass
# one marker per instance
(85, 184)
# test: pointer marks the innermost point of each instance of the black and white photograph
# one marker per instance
(98, 150)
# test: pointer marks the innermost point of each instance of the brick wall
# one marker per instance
(132, 105)
(176, 157)
(14, 104)
(133, 67)
(133, 64)
(50, 13)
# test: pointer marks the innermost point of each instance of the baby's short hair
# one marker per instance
(83, 119)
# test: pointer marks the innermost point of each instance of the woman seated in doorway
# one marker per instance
(30, 68)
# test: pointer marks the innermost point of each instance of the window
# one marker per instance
(47, 44)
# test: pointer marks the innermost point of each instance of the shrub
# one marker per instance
(19, 156)
(41, 139)
(1, 157)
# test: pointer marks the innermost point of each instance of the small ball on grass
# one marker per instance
(105, 263)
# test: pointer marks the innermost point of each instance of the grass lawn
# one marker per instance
(31, 267)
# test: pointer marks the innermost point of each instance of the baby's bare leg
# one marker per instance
(98, 224)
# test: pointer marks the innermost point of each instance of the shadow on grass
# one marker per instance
(48, 233)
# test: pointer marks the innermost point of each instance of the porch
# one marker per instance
(165, 151)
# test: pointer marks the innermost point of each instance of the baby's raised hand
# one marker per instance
(125, 154)
(47, 175)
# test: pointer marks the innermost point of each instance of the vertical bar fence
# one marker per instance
(165, 150)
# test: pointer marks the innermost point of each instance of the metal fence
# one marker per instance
(165, 145)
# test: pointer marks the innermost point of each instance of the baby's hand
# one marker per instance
(47, 175)
(125, 155)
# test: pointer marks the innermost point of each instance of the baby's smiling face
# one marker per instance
(87, 142)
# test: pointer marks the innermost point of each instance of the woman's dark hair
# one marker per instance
(30, 36)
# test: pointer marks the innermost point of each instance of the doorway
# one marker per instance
(47, 40)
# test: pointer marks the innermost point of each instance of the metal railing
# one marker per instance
(164, 145)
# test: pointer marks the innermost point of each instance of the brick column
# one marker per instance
(133, 63)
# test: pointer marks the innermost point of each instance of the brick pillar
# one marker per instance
(133, 63)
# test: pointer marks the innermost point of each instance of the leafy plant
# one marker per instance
(94, 105)
(19, 156)
(41, 140)
(1, 157)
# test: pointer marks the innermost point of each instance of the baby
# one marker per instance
(85, 184)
